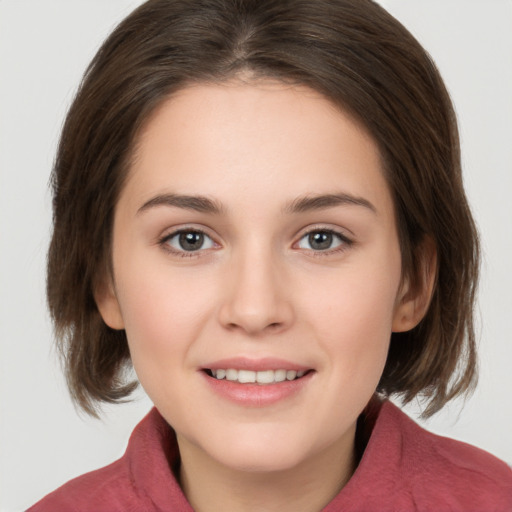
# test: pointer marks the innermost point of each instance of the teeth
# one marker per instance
(266, 377)
(231, 374)
(262, 377)
(280, 375)
(246, 376)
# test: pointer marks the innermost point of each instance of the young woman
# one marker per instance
(259, 205)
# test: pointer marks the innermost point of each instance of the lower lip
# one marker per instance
(257, 395)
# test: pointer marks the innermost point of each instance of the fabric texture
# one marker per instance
(403, 468)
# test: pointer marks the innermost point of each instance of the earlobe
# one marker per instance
(108, 305)
(415, 295)
(406, 316)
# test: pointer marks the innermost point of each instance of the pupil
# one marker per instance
(191, 241)
(320, 240)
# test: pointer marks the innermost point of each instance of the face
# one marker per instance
(256, 272)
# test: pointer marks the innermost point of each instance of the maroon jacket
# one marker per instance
(403, 468)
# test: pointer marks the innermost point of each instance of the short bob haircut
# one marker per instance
(351, 51)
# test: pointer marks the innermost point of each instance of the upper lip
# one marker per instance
(262, 364)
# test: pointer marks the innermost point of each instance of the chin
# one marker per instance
(262, 461)
(264, 453)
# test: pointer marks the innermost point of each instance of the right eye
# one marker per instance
(187, 241)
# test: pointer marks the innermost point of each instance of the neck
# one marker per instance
(213, 487)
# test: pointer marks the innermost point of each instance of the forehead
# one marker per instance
(225, 139)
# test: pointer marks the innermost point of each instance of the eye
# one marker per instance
(322, 240)
(188, 241)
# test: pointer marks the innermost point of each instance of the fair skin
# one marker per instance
(219, 252)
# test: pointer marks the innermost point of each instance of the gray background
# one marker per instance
(44, 48)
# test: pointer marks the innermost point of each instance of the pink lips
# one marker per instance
(243, 363)
(256, 395)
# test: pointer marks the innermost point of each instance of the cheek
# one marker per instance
(352, 315)
(162, 321)
(163, 311)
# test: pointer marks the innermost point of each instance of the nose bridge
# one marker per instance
(256, 298)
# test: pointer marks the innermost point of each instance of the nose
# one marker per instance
(256, 298)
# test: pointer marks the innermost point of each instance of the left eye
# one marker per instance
(189, 241)
(321, 240)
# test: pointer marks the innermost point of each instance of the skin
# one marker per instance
(258, 287)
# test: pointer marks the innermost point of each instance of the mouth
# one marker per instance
(261, 382)
(262, 377)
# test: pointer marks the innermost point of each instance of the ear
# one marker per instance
(108, 305)
(414, 297)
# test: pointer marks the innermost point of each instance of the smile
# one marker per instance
(257, 383)
(256, 377)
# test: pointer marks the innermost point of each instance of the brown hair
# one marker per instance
(356, 55)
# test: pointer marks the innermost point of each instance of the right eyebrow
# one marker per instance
(201, 204)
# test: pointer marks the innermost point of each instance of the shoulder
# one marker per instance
(106, 489)
(141, 480)
(463, 477)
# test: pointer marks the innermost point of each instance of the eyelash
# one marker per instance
(164, 242)
(345, 242)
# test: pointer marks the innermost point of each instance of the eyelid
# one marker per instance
(336, 231)
(173, 232)
(344, 233)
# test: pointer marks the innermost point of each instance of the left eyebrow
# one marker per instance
(200, 204)
(323, 201)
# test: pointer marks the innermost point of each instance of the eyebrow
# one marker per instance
(200, 204)
(303, 204)
(324, 201)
